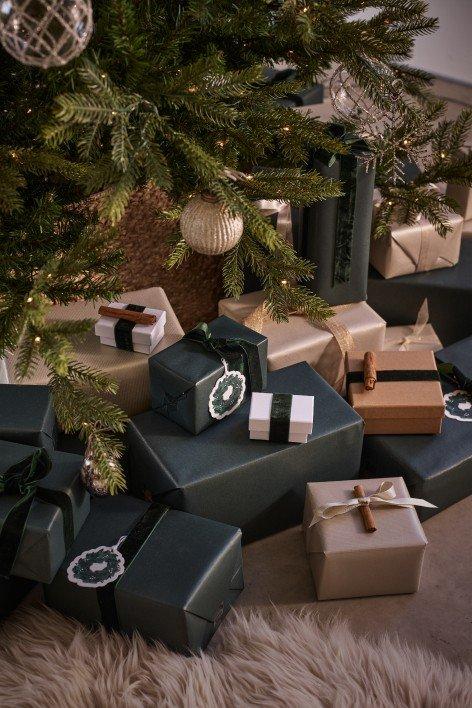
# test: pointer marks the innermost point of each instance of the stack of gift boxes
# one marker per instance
(238, 429)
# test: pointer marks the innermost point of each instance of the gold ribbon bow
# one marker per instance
(415, 337)
(343, 338)
(385, 495)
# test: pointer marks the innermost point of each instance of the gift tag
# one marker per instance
(97, 567)
(459, 406)
(227, 394)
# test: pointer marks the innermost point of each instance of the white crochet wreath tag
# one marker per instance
(227, 393)
(97, 567)
(459, 406)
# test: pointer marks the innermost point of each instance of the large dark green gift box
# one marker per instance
(254, 484)
(437, 468)
(59, 507)
(184, 374)
(181, 572)
(27, 415)
(335, 233)
(449, 293)
(12, 592)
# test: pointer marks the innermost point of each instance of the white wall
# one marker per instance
(447, 52)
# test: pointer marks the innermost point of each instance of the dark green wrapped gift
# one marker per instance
(184, 375)
(12, 592)
(437, 468)
(254, 484)
(43, 504)
(169, 575)
(27, 415)
(335, 233)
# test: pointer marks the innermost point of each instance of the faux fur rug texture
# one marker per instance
(279, 658)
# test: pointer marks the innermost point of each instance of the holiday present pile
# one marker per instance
(116, 346)
(322, 344)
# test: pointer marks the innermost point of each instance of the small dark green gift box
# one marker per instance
(184, 375)
(257, 485)
(41, 509)
(27, 415)
(177, 576)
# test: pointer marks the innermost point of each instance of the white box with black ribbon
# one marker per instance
(132, 331)
(281, 417)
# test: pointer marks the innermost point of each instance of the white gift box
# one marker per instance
(145, 338)
(301, 417)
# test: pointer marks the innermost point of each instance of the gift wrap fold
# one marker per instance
(345, 560)
(256, 485)
(407, 397)
(449, 294)
(41, 510)
(322, 345)
(184, 375)
(27, 415)
(416, 248)
(128, 369)
(420, 335)
(179, 576)
(437, 468)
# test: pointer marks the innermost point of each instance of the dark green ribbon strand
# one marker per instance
(248, 362)
(451, 373)
(21, 479)
(280, 410)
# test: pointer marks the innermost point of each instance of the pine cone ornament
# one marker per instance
(208, 227)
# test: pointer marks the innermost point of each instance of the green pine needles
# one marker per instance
(170, 93)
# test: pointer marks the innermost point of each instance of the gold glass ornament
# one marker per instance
(208, 226)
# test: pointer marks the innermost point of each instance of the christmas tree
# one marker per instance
(173, 94)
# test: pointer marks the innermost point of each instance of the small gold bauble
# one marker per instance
(208, 227)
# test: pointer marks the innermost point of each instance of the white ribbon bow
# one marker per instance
(385, 495)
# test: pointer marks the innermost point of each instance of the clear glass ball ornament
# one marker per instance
(45, 33)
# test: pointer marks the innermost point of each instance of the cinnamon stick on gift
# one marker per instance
(366, 511)
(144, 318)
(370, 373)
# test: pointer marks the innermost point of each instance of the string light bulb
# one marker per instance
(37, 339)
(29, 299)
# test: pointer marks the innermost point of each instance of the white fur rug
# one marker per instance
(278, 659)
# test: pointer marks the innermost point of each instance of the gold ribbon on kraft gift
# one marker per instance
(343, 338)
(385, 495)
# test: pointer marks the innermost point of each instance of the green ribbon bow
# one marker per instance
(248, 362)
(455, 376)
(20, 479)
(347, 201)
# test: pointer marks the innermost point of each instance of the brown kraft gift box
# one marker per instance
(407, 405)
(346, 561)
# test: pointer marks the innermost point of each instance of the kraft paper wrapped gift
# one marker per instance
(131, 336)
(345, 560)
(27, 415)
(418, 336)
(128, 369)
(181, 573)
(336, 231)
(436, 468)
(449, 294)
(59, 507)
(280, 417)
(407, 397)
(254, 484)
(323, 346)
(184, 376)
(416, 248)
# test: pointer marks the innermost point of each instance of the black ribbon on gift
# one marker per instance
(280, 410)
(346, 203)
(453, 375)
(248, 361)
(123, 330)
(129, 550)
(395, 375)
(23, 479)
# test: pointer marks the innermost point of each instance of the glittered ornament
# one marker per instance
(208, 226)
(227, 393)
(94, 484)
(97, 567)
(45, 33)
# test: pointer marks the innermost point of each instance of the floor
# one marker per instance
(439, 616)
